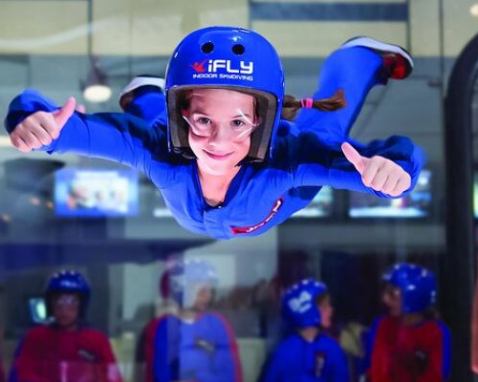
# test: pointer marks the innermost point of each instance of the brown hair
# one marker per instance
(292, 105)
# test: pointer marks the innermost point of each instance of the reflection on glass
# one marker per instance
(160, 210)
(38, 311)
(192, 342)
(81, 192)
(320, 206)
(417, 204)
(127, 255)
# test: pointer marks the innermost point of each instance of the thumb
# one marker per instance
(354, 157)
(81, 109)
(61, 116)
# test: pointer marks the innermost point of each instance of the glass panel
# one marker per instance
(161, 302)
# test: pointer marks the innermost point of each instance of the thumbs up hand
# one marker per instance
(42, 127)
(378, 173)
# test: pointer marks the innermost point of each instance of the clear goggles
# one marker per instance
(237, 128)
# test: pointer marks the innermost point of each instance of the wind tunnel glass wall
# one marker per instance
(111, 224)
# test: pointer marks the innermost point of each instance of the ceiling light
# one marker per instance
(96, 88)
(474, 10)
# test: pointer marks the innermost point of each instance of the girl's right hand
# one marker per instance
(41, 128)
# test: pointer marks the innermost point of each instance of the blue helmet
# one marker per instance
(182, 280)
(66, 282)
(229, 58)
(299, 303)
(417, 284)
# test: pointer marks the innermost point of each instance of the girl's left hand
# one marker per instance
(378, 173)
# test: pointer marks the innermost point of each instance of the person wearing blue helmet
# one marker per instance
(308, 355)
(144, 97)
(194, 344)
(410, 343)
(226, 160)
(65, 349)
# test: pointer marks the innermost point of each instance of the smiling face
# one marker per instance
(220, 126)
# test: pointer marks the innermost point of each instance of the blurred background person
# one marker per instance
(66, 349)
(410, 343)
(308, 354)
(194, 343)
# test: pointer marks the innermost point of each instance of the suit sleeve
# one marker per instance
(161, 366)
(273, 371)
(438, 368)
(226, 363)
(318, 165)
(149, 349)
(446, 350)
(369, 344)
(27, 364)
(109, 368)
(232, 350)
(340, 370)
(379, 360)
(121, 138)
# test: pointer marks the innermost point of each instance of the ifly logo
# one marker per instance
(199, 66)
(302, 303)
(244, 67)
(227, 66)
